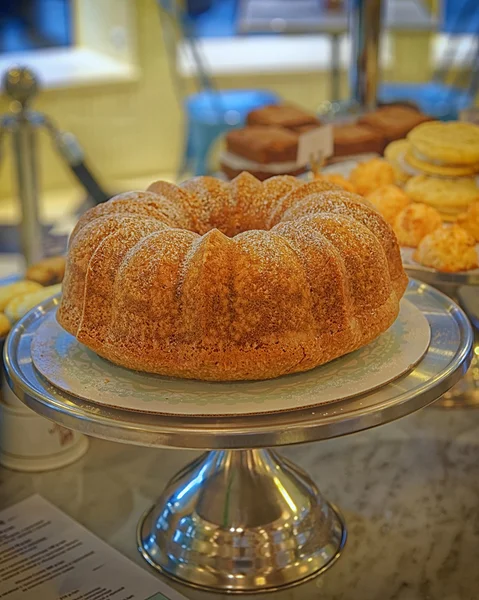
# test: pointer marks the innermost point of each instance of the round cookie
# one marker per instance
(453, 143)
(411, 157)
(449, 196)
(394, 153)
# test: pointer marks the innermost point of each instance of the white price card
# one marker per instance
(315, 144)
(46, 555)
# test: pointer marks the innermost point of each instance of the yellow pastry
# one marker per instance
(21, 304)
(5, 325)
(48, 271)
(389, 200)
(453, 143)
(371, 174)
(18, 288)
(448, 196)
(449, 249)
(415, 222)
(417, 162)
(469, 220)
(339, 180)
(394, 153)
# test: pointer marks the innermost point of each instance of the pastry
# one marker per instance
(21, 304)
(418, 162)
(5, 326)
(448, 248)
(263, 144)
(262, 151)
(283, 115)
(389, 200)
(178, 283)
(453, 143)
(469, 220)
(414, 222)
(369, 175)
(7, 292)
(351, 139)
(393, 122)
(48, 271)
(448, 196)
(338, 180)
(394, 154)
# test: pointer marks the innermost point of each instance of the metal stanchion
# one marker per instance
(21, 86)
(365, 28)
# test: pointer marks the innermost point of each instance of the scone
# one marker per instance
(449, 196)
(283, 115)
(339, 180)
(371, 174)
(469, 220)
(449, 249)
(414, 222)
(453, 143)
(389, 200)
(394, 153)
(393, 122)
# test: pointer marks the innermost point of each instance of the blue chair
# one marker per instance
(437, 98)
(441, 101)
(209, 115)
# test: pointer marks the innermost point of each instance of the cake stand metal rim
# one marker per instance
(442, 278)
(297, 426)
(344, 538)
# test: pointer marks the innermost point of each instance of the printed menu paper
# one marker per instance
(46, 555)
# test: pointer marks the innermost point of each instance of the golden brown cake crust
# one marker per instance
(263, 144)
(245, 297)
(394, 122)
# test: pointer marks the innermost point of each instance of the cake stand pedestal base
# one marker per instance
(241, 521)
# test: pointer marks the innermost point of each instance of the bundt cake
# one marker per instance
(231, 281)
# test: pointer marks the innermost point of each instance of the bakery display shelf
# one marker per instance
(208, 529)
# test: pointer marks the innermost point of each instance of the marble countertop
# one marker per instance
(409, 492)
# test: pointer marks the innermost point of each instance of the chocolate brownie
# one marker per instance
(350, 139)
(263, 144)
(282, 115)
(394, 122)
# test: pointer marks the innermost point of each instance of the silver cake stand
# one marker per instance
(463, 288)
(241, 518)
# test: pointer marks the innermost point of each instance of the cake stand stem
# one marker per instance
(241, 521)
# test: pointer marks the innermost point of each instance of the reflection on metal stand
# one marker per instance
(463, 288)
(465, 394)
(21, 86)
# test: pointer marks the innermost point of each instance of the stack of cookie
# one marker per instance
(443, 159)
